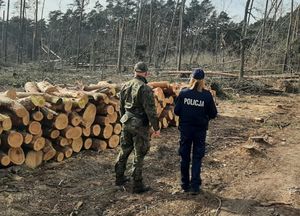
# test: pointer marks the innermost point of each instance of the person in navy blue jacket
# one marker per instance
(195, 107)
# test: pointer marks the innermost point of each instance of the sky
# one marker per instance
(235, 8)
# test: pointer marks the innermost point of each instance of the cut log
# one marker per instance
(86, 131)
(96, 129)
(89, 115)
(106, 131)
(16, 155)
(103, 109)
(62, 141)
(115, 103)
(164, 122)
(175, 121)
(4, 159)
(12, 138)
(48, 150)
(113, 141)
(37, 116)
(51, 133)
(75, 119)
(113, 117)
(71, 132)
(14, 106)
(77, 144)
(6, 122)
(98, 145)
(67, 151)
(59, 156)
(102, 120)
(34, 127)
(48, 113)
(117, 128)
(169, 100)
(158, 92)
(87, 143)
(27, 137)
(32, 101)
(31, 87)
(37, 143)
(10, 94)
(46, 87)
(61, 121)
(160, 84)
(34, 159)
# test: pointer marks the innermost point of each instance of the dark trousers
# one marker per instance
(191, 139)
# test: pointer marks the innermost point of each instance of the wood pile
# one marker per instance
(50, 122)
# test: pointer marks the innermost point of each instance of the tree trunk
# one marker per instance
(120, 48)
(34, 39)
(243, 38)
(284, 67)
(180, 35)
(169, 32)
(79, 33)
(6, 31)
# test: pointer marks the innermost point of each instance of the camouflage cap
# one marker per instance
(140, 67)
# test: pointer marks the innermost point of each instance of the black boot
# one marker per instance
(139, 187)
(120, 181)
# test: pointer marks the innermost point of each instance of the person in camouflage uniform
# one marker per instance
(137, 110)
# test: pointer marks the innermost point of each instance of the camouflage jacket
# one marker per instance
(137, 98)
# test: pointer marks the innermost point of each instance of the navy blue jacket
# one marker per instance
(195, 108)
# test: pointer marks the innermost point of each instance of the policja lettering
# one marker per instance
(193, 102)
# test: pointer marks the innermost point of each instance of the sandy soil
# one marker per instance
(240, 176)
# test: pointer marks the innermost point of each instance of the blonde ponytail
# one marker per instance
(197, 84)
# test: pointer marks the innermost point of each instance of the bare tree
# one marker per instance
(284, 67)
(81, 8)
(6, 28)
(120, 48)
(243, 39)
(34, 39)
(180, 35)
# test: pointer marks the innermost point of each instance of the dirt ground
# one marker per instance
(240, 176)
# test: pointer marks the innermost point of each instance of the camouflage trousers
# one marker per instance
(134, 138)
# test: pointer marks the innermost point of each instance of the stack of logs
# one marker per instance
(165, 95)
(50, 122)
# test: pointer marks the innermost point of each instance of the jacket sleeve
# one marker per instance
(148, 103)
(211, 109)
(178, 105)
(122, 102)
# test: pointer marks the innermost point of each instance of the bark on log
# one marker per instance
(67, 150)
(31, 87)
(103, 109)
(51, 133)
(14, 106)
(115, 103)
(102, 120)
(16, 155)
(48, 113)
(34, 159)
(62, 141)
(160, 84)
(32, 102)
(10, 94)
(46, 87)
(98, 145)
